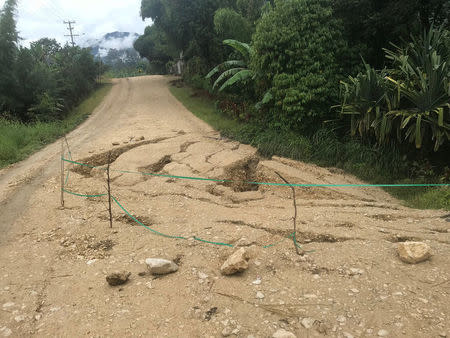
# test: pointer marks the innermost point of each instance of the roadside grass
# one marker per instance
(323, 149)
(19, 140)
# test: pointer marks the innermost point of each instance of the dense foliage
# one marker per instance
(44, 81)
(299, 61)
(410, 101)
(371, 25)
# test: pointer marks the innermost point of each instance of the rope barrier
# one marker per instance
(266, 183)
(291, 236)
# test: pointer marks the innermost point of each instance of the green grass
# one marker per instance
(323, 149)
(18, 140)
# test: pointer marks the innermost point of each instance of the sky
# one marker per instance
(94, 18)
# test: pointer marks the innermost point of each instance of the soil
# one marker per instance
(54, 261)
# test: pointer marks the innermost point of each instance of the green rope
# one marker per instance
(140, 223)
(215, 243)
(81, 195)
(270, 184)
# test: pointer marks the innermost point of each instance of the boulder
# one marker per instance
(118, 278)
(413, 252)
(158, 266)
(237, 262)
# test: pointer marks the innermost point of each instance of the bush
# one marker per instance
(297, 47)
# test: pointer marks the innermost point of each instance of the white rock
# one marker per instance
(308, 323)
(355, 271)
(354, 290)
(8, 305)
(227, 331)
(237, 262)
(92, 261)
(341, 319)
(257, 281)
(383, 333)
(413, 252)
(6, 332)
(20, 318)
(347, 335)
(158, 266)
(202, 275)
(282, 333)
(259, 295)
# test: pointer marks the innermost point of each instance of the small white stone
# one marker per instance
(282, 333)
(307, 323)
(257, 281)
(202, 275)
(226, 332)
(383, 333)
(20, 318)
(347, 335)
(92, 261)
(259, 295)
(8, 305)
(354, 290)
(6, 332)
(341, 319)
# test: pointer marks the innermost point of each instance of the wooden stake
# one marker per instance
(109, 192)
(295, 213)
(62, 174)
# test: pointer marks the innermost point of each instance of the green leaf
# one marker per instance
(240, 76)
(241, 47)
(225, 75)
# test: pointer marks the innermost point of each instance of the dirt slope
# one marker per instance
(53, 262)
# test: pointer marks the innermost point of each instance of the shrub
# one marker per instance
(297, 44)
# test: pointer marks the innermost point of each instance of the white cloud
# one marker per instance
(94, 18)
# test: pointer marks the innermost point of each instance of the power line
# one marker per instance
(70, 28)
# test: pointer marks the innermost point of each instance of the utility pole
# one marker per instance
(70, 28)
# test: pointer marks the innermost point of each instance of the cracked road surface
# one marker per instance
(53, 261)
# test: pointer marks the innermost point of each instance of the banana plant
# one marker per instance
(233, 71)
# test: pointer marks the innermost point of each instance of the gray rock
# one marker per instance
(237, 262)
(413, 252)
(118, 278)
(158, 266)
(282, 333)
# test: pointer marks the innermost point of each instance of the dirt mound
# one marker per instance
(241, 172)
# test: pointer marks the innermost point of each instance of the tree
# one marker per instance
(188, 26)
(8, 52)
(229, 24)
(298, 45)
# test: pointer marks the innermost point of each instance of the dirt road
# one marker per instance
(53, 261)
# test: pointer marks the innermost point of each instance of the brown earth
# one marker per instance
(54, 261)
